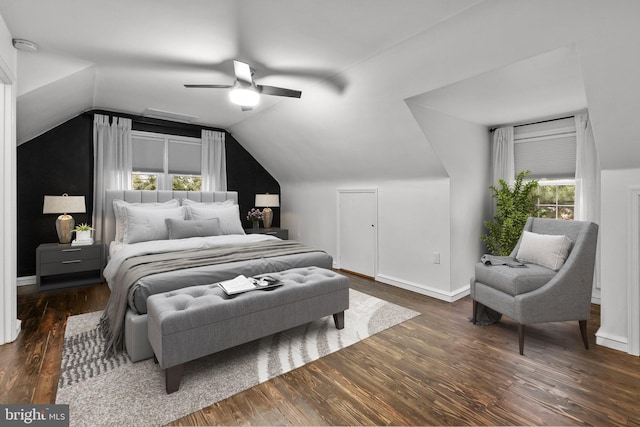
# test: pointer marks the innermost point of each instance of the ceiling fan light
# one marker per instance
(244, 97)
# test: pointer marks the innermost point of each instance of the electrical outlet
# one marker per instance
(436, 257)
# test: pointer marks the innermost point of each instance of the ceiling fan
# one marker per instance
(245, 92)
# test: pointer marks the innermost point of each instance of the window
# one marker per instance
(556, 199)
(144, 181)
(187, 182)
(165, 162)
(548, 150)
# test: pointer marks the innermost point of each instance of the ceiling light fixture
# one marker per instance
(25, 45)
(245, 97)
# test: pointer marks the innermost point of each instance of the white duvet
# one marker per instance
(160, 246)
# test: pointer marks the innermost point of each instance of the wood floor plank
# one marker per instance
(435, 369)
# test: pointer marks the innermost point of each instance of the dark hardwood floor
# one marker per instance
(436, 369)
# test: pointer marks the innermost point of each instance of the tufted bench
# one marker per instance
(193, 322)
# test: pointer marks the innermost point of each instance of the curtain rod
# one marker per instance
(534, 123)
(566, 116)
(154, 121)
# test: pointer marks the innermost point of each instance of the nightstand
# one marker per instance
(60, 266)
(280, 233)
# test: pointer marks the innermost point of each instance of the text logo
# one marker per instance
(34, 415)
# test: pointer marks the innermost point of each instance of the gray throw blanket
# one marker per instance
(487, 259)
(135, 268)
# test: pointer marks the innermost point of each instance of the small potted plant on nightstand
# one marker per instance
(83, 232)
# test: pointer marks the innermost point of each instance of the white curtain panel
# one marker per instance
(503, 158)
(214, 164)
(587, 201)
(111, 160)
(587, 172)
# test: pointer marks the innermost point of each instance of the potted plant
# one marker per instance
(254, 215)
(513, 206)
(83, 231)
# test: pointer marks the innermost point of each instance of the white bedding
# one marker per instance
(125, 251)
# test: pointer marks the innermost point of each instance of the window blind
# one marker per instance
(147, 154)
(184, 158)
(547, 149)
(158, 153)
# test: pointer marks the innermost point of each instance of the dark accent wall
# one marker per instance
(61, 161)
(246, 176)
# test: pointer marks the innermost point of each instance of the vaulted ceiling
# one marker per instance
(133, 55)
(357, 62)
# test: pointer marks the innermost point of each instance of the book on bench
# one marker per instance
(244, 284)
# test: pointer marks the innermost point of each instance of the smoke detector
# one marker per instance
(25, 45)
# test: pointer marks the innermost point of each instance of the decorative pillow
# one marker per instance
(181, 229)
(143, 224)
(229, 216)
(188, 202)
(119, 214)
(547, 250)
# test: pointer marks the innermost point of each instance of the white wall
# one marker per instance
(7, 51)
(413, 223)
(416, 218)
(464, 150)
(9, 324)
(615, 241)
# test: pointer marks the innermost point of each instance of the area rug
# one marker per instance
(115, 391)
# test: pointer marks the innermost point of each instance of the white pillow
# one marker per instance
(188, 202)
(119, 213)
(229, 216)
(143, 224)
(547, 250)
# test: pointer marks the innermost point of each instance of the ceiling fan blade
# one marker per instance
(210, 86)
(279, 91)
(243, 72)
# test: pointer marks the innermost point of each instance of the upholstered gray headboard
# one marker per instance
(147, 196)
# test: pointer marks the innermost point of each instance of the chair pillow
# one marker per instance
(229, 216)
(144, 224)
(182, 229)
(547, 250)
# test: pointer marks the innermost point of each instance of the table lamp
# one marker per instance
(64, 205)
(267, 201)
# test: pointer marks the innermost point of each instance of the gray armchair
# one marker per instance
(536, 294)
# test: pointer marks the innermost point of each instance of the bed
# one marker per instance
(196, 247)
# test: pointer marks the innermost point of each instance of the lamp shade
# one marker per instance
(267, 200)
(63, 204)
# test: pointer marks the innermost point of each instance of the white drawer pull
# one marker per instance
(72, 250)
(75, 261)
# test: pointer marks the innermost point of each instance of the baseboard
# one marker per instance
(612, 341)
(425, 290)
(26, 280)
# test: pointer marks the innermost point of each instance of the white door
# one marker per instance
(357, 223)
